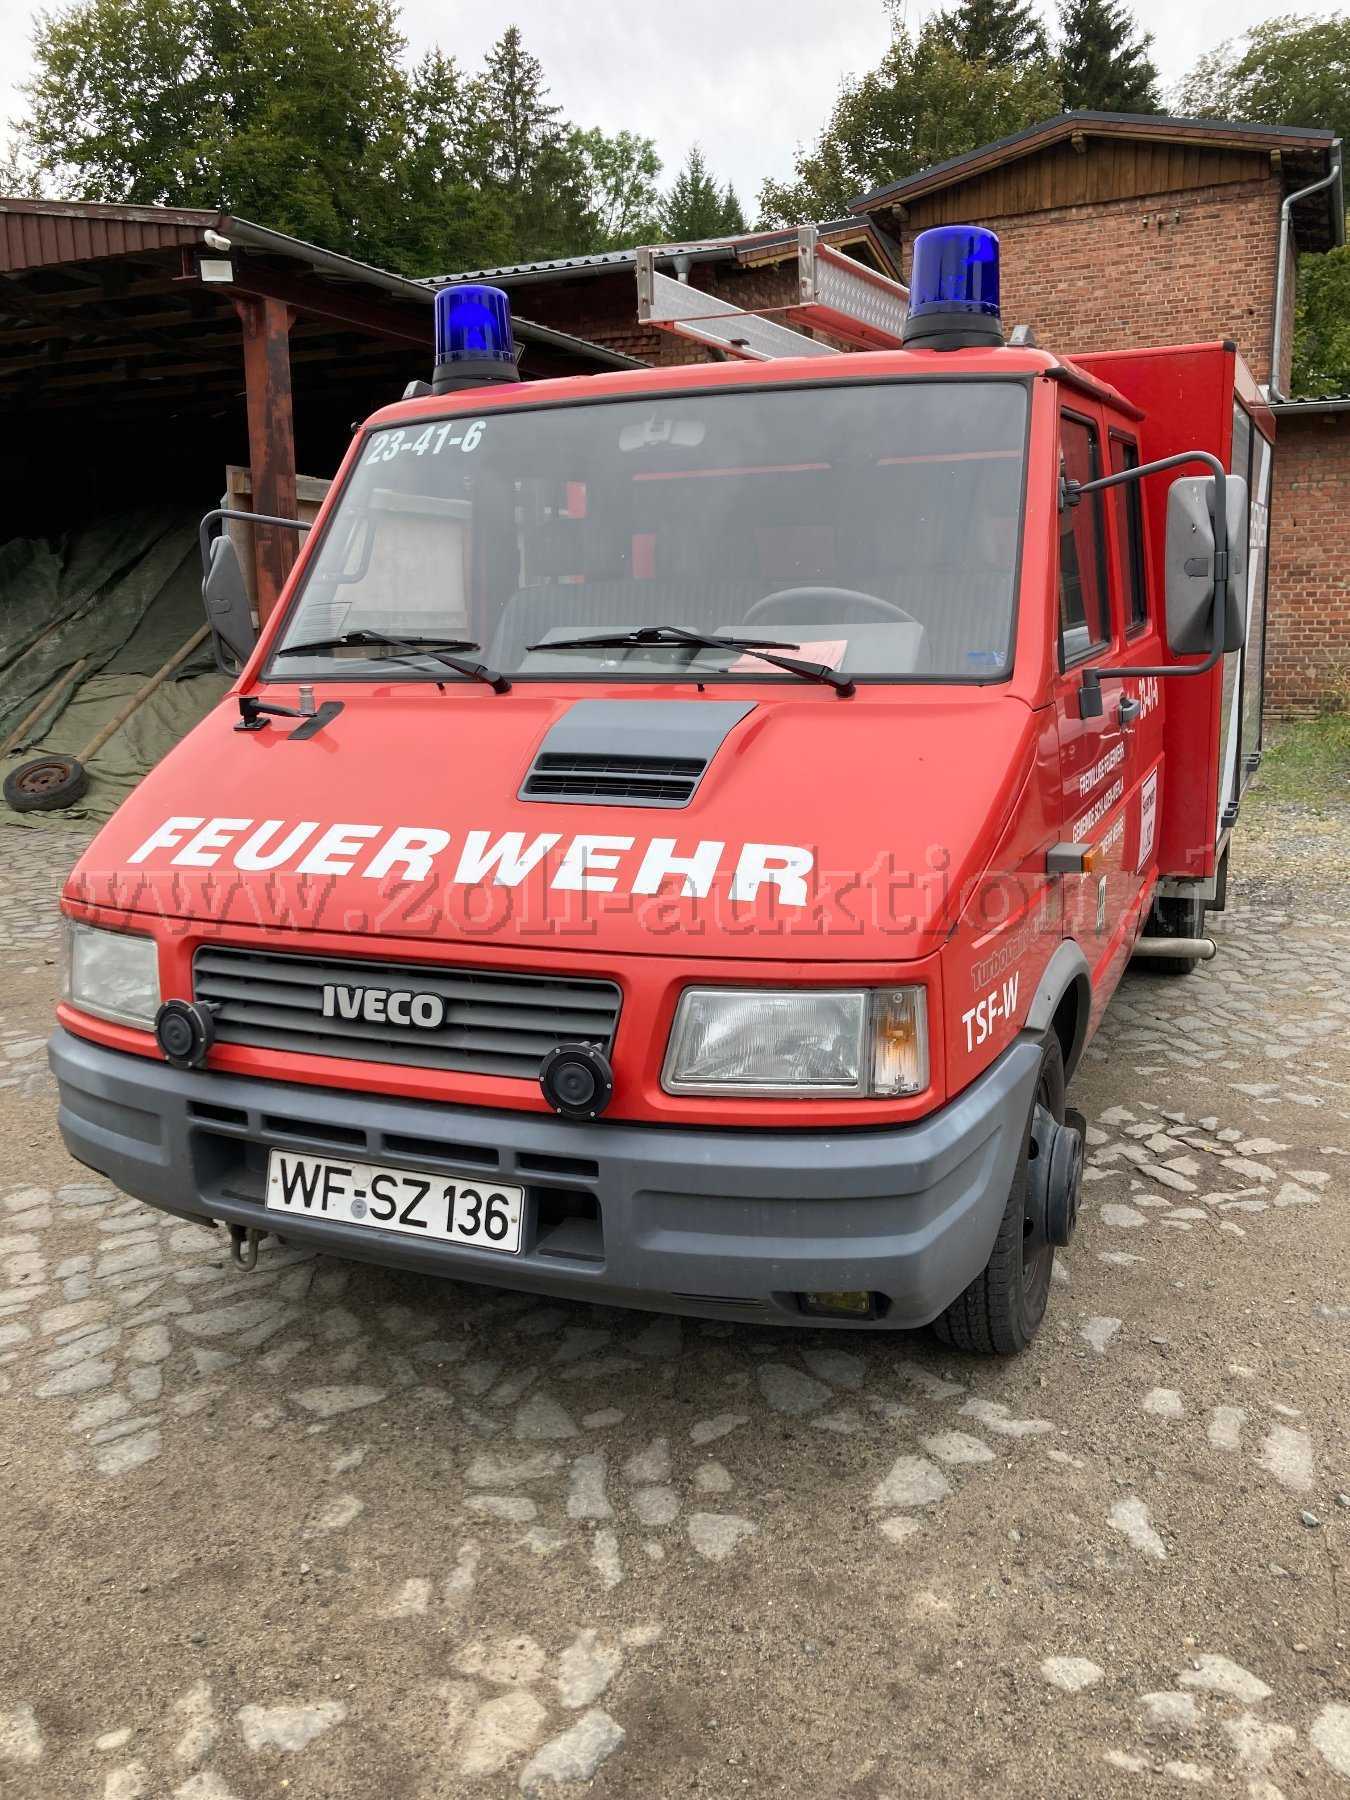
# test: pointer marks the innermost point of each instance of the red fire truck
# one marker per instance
(678, 831)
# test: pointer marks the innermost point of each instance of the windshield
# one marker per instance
(870, 529)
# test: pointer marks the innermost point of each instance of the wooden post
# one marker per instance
(271, 438)
(142, 694)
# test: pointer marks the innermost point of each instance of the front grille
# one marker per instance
(614, 780)
(494, 1024)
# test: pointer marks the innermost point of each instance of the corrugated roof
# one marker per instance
(722, 249)
(1312, 403)
(549, 266)
(43, 234)
(37, 233)
(1220, 132)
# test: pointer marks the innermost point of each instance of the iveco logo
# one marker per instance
(377, 1006)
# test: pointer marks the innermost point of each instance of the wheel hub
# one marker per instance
(1055, 1182)
(42, 779)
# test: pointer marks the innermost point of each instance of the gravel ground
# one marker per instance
(329, 1531)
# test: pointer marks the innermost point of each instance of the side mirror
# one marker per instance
(228, 612)
(1190, 565)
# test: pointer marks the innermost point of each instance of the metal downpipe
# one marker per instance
(1281, 284)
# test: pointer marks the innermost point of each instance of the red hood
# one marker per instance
(822, 828)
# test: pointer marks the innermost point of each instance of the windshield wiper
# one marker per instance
(440, 649)
(708, 640)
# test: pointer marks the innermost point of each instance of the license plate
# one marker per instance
(382, 1199)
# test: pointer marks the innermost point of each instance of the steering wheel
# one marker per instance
(792, 598)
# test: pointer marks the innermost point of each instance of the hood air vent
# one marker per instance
(630, 752)
(616, 780)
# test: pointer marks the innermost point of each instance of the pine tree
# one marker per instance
(523, 152)
(1002, 32)
(511, 95)
(696, 208)
(1104, 62)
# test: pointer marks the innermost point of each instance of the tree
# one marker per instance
(622, 200)
(441, 217)
(1286, 71)
(1103, 59)
(525, 155)
(123, 103)
(1003, 32)
(696, 208)
(921, 104)
(1322, 324)
(1291, 71)
(303, 118)
(521, 125)
(19, 176)
(308, 118)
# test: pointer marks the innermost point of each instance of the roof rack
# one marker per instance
(836, 294)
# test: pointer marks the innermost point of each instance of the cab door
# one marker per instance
(1099, 770)
(1140, 615)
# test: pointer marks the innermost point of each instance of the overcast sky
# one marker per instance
(747, 79)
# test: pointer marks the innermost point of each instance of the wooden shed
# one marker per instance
(1091, 158)
(143, 349)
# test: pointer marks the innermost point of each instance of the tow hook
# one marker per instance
(244, 1241)
(1057, 1171)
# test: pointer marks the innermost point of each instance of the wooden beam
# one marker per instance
(75, 326)
(271, 438)
(41, 304)
(20, 302)
(311, 375)
(330, 302)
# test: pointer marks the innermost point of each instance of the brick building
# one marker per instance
(1308, 623)
(1120, 230)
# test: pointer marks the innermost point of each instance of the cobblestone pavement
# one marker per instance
(327, 1530)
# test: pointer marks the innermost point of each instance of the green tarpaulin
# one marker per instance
(124, 592)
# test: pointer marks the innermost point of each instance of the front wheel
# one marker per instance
(1001, 1311)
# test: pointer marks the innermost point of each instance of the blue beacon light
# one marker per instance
(953, 290)
(474, 344)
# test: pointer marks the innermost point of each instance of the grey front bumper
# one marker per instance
(723, 1224)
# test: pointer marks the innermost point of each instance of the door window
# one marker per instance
(1129, 521)
(1084, 618)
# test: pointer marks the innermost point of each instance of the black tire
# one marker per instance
(1172, 917)
(46, 783)
(1001, 1311)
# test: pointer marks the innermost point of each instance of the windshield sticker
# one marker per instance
(452, 435)
(828, 652)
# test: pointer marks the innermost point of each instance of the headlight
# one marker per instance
(863, 1042)
(112, 974)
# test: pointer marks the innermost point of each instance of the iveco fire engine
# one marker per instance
(676, 834)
